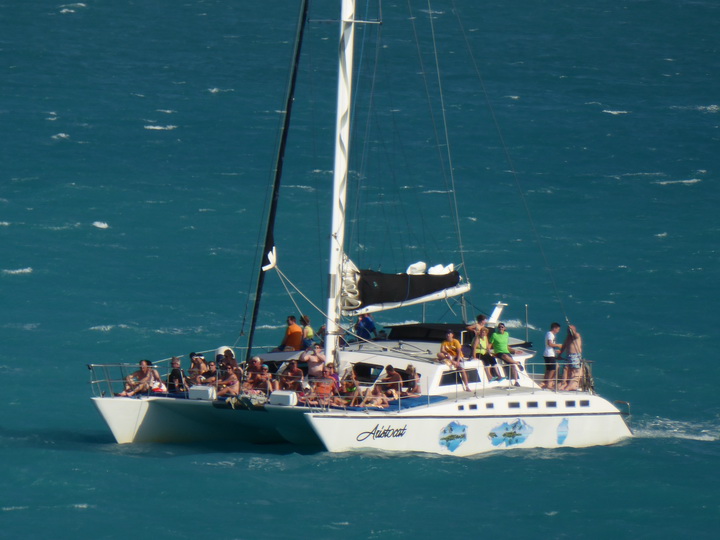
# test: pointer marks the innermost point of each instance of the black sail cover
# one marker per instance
(378, 288)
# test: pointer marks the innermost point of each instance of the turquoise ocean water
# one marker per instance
(137, 140)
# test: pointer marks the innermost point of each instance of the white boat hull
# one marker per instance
(445, 429)
(171, 420)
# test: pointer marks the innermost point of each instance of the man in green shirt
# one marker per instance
(499, 345)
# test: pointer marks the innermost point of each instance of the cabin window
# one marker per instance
(367, 373)
(551, 404)
(452, 378)
(489, 405)
(514, 404)
(532, 404)
(461, 407)
(570, 403)
(473, 407)
(585, 403)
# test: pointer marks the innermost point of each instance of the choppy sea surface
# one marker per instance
(138, 140)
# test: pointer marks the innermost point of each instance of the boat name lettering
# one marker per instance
(382, 433)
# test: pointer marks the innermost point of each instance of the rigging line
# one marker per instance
(511, 164)
(447, 139)
(428, 98)
(269, 244)
(283, 279)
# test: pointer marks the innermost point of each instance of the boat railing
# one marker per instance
(535, 372)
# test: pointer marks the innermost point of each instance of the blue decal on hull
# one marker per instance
(562, 431)
(453, 435)
(510, 434)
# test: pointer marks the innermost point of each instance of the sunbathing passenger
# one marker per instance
(315, 359)
(292, 377)
(375, 397)
(141, 380)
(392, 384)
(325, 392)
(227, 360)
(197, 367)
(176, 382)
(209, 377)
(260, 380)
(412, 383)
(229, 385)
(349, 386)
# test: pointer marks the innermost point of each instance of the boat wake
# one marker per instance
(666, 428)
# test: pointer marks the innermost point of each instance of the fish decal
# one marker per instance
(453, 435)
(510, 433)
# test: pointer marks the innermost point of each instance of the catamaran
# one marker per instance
(458, 411)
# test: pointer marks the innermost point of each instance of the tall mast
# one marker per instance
(268, 260)
(340, 176)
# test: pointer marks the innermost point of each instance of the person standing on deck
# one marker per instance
(550, 356)
(478, 325)
(572, 348)
(365, 328)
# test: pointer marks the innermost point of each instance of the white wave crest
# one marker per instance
(60, 136)
(108, 327)
(161, 128)
(665, 428)
(100, 225)
(27, 270)
(615, 113)
(301, 187)
(689, 181)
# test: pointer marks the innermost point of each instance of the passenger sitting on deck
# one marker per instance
(451, 354)
(197, 367)
(412, 382)
(315, 359)
(375, 397)
(228, 360)
(292, 377)
(349, 386)
(332, 373)
(140, 380)
(392, 384)
(176, 381)
(325, 392)
(499, 344)
(255, 365)
(292, 341)
(308, 334)
(480, 348)
(229, 385)
(210, 377)
(260, 380)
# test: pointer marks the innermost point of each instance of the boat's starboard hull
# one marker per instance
(446, 430)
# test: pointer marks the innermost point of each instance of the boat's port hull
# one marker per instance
(173, 420)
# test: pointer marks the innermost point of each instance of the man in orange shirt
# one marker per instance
(293, 336)
(451, 354)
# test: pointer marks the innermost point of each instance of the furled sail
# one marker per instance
(368, 291)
